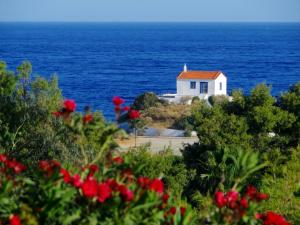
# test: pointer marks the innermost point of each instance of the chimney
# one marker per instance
(185, 68)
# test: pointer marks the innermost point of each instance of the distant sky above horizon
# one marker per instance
(151, 10)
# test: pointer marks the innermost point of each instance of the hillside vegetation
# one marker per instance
(59, 166)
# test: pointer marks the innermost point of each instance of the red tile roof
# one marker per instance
(209, 75)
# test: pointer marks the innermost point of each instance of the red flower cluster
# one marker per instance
(232, 197)
(15, 166)
(252, 193)
(68, 108)
(271, 218)
(14, 220)
(49, 166)
(239, 205)
(155, 184)
(133, 114)
(69, 105)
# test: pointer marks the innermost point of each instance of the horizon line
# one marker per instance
(146, 21)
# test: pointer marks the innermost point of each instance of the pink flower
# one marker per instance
(220, 199)
(14, 220)
(134, 114)
(69, 105)
(104, 192)
(126, 194)
(156, 185)
(117, 100)
(89, 188)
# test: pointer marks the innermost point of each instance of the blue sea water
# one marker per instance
(95, 61)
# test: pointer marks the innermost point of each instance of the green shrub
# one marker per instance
(282, 188)
(147, 100)
(164, 164)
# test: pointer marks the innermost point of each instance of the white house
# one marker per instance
(198, 83)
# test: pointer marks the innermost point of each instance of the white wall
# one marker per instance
(221, 79)
(183, 87)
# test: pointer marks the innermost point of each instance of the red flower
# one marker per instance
(44, 165)
(173, 210)
(112, 184)
(143, 181)
(48, 167)
(117, 100)
(165, 198)
(104, 192)
(69, 105)
(220, 199)
(117, 108)
(93, 169)
(156, 185)
(134, 114)
(271, 218)
(251, 192)
(244, 203)
(126, 194)
(89, 188)
(76, 181)
(16, 166)
(14, 220)
(261, 196)
(118, 160)
(182, 211)
(126, 108)
(66, 175)
(232, 196)
(3, 158)
(87, 118)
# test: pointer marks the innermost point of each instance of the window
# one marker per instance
(220, 86)
(203, 87)
(193, 85)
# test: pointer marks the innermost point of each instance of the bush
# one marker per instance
(106, 193)
(164, 164)
(35, 125)
(282, 188)
(147, 100)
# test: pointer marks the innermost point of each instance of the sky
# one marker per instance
(151, 10)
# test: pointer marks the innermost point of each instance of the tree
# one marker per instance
(146, 100)
(290, 101)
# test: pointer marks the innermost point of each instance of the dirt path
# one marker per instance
(158, 143)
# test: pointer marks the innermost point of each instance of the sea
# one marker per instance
(96, 61)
